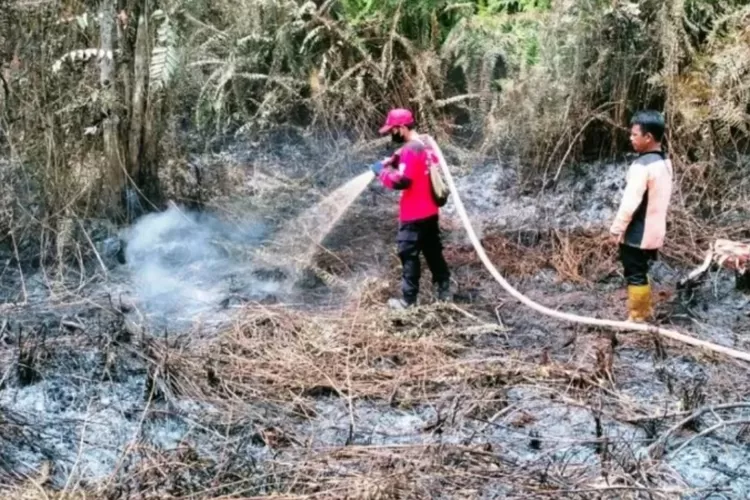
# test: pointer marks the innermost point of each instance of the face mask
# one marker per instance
(397, 138)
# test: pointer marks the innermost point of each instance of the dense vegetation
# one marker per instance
(97, 95)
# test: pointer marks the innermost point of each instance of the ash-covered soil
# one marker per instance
(194, 369)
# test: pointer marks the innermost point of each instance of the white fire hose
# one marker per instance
(621, 325)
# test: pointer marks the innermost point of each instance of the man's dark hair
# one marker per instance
(651, 122)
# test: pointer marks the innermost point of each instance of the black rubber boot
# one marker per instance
(444, 291)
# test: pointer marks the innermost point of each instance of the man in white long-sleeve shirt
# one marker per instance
(641, 221)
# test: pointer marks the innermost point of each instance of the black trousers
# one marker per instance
(415, 238)
(636, 264)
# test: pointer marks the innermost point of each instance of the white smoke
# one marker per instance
(185, 265)
(189, 266)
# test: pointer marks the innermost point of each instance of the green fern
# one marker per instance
(165, 58)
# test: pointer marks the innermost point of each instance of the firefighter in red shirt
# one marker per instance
(419, 230)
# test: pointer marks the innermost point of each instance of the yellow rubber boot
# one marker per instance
(639, 303)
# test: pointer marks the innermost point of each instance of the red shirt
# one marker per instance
(413, 178)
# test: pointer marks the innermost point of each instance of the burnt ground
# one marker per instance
(192, 370)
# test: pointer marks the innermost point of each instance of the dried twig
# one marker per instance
(656, 449)
(705, 432)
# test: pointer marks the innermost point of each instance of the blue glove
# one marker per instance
(377, 167)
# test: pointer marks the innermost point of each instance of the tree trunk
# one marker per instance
(148, 175)
(114, 177)
(126, 49)
(138, 102)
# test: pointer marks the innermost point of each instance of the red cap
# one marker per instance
(397, 118)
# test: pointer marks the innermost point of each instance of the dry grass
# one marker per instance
(580, 257)
(280, 355)
(266, 375)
